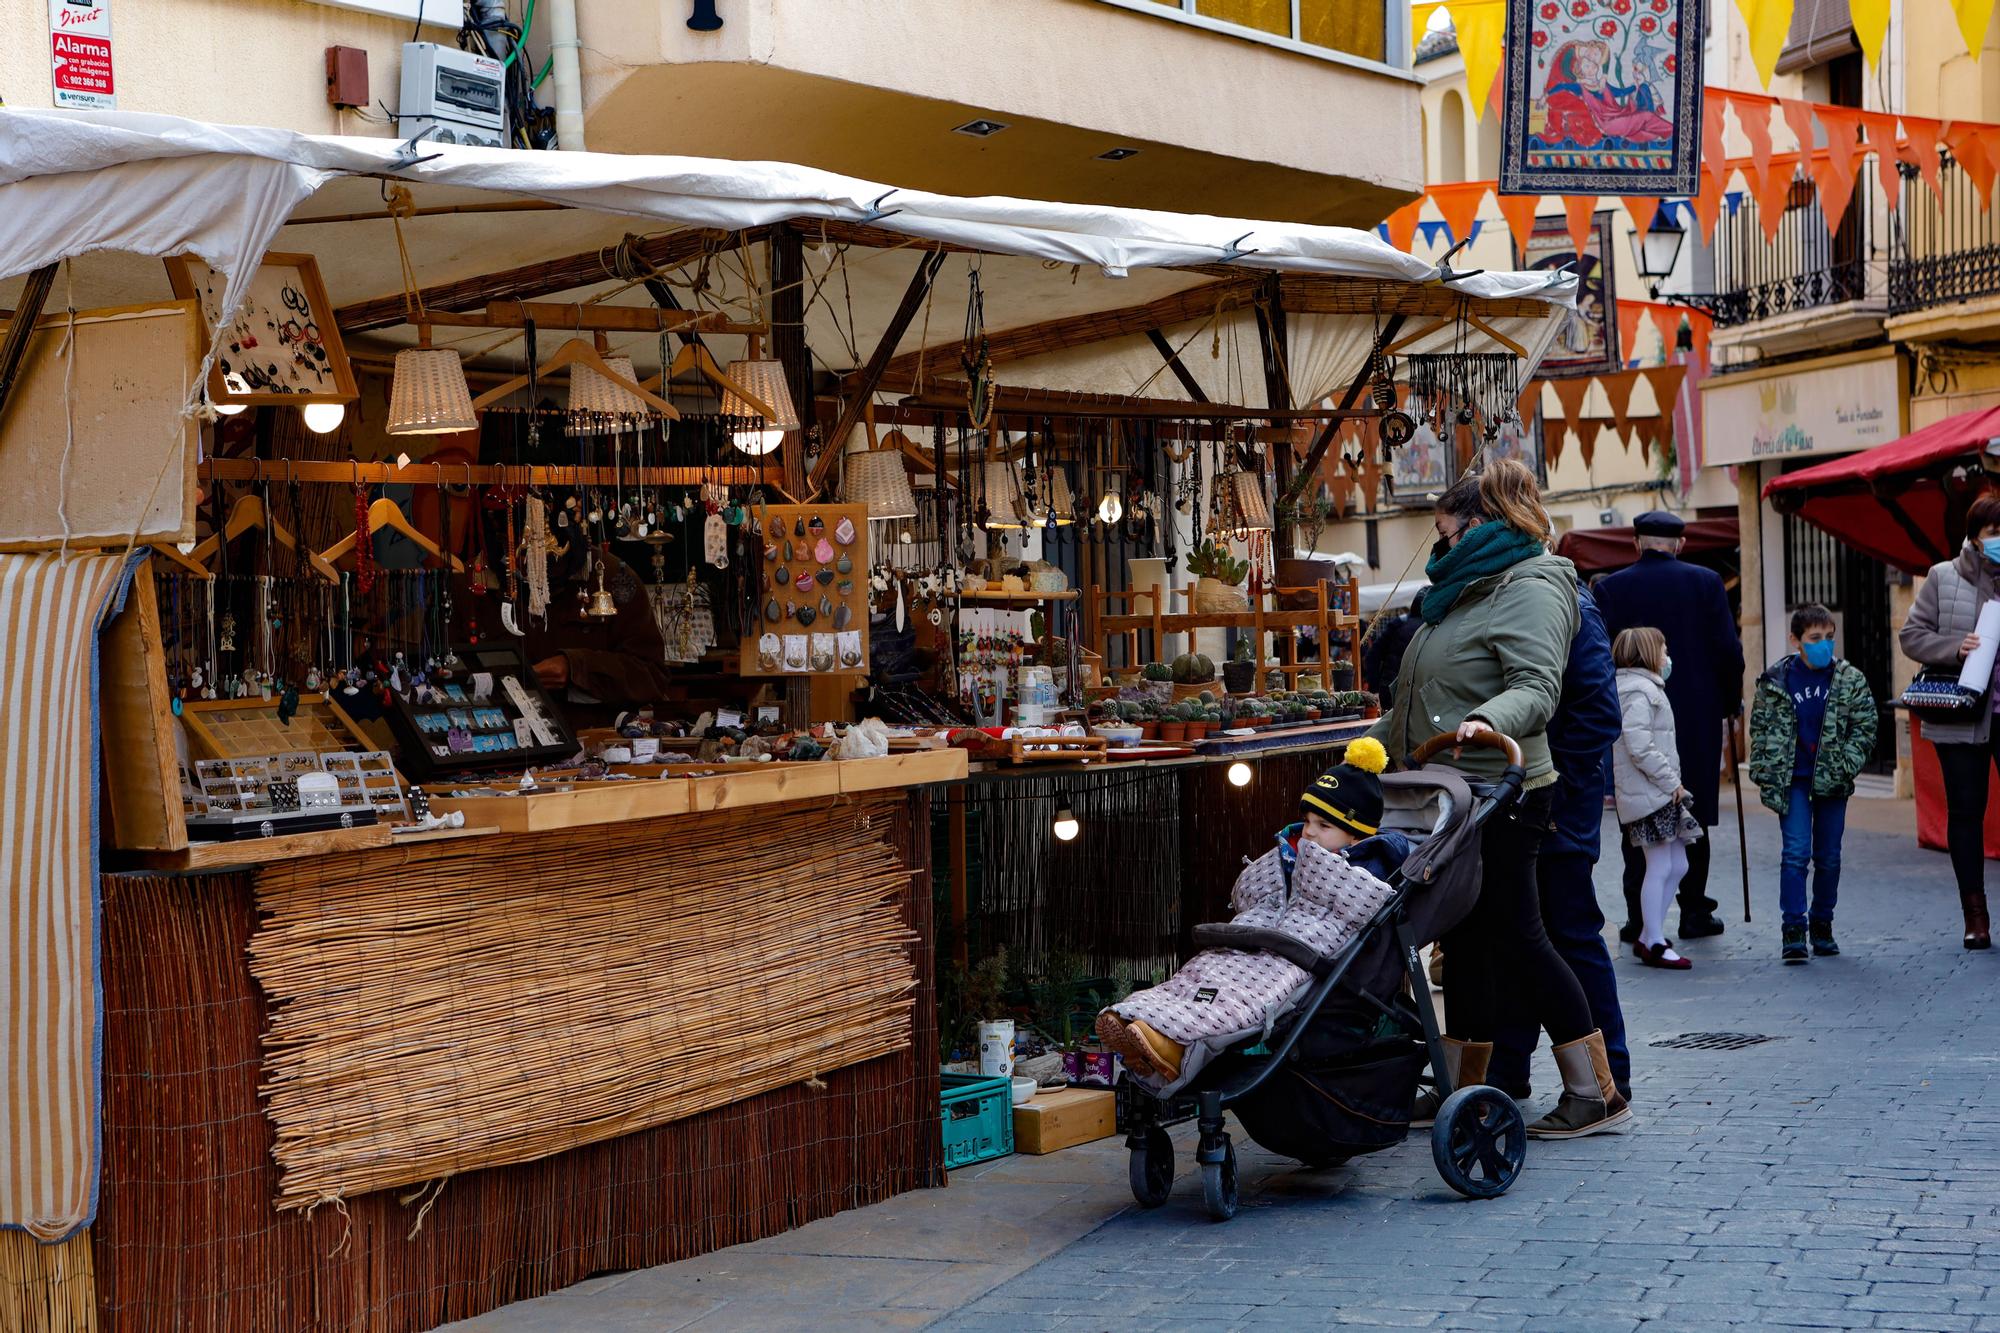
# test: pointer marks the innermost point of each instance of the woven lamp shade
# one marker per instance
(879, 480)
(429, 395)
(765, 379)
(1012, 507)
(1243, 501)
(599, 407)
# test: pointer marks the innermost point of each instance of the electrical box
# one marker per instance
(346, 76)
(459, 96)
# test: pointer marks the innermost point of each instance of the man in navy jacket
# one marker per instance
(1689, 605)
(1581, 733)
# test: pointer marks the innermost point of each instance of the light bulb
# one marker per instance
(757, 442)
(324, 418)
(231, 409)
(1066, 827)
(1239, 774)
(1110, 509)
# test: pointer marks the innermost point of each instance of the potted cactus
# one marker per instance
(1218, 579)
(1174, 724)
(1239, 674)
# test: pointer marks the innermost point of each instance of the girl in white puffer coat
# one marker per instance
(1652, 803)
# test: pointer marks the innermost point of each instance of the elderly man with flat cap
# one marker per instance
(1689, 605)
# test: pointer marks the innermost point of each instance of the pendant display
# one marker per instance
(806, 615)
(804, 582)
(823, 551)
(825, 577)
(842, 615)
(843, 532)
(845, 564)
(773, 612)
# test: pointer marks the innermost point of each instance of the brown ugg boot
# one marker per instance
(1466, 1061)
(1978, 929)
(1590, 1101)
(1146, 1052)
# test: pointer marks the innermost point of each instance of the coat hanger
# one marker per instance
(248, 513)
(1438, 326)
(577, 352)
(173, 556)
(696, 357)
(386, 513)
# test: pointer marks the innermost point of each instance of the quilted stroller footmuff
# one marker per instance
(1221, 997)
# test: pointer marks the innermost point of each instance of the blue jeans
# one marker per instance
(1812, 832)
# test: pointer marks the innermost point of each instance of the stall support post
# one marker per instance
(788, 343)
(955, 804)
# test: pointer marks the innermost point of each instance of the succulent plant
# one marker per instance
(1212, 560)
(1157, 671)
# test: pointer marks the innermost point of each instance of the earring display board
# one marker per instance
(813, 599)
(494, 715)
(106, 391)
(251, 728)
(283, 346)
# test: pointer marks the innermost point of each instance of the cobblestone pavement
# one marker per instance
(1843, 1175)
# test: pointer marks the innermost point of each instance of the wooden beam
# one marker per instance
(1330, 294)
(1082, 330)
(787, 267)
(529, 280)
(343, 473)
(949, 396)
(1173, 360)
(1276, 347)
(599, 318)
(383, 214)
(21, 328)
(862, 386)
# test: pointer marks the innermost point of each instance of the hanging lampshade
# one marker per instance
(879, 480)
(1013, 507)
(1243, 505)
(599, 407)
(762, 378)
(429, 395)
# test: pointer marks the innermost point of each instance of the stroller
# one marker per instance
(1337, 1076)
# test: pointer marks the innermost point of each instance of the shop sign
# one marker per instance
(1802, 411)
(80, 54)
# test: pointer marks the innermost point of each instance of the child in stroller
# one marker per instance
(1320, 885)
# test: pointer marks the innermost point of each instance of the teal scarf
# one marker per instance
(1491, 548)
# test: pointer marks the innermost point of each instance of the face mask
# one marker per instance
(1991, 545)
(1666, 667)
(1819, 656)
(1440, 548)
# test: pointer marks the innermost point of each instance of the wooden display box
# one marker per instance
(421, 729)
(1063, 1118)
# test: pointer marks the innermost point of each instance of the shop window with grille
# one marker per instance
(1856, 589)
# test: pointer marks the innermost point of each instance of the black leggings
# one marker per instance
(1965, 769)
(1498, 962)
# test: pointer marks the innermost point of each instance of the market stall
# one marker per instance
(535, 616)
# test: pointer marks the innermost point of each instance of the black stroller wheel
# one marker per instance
(1151, 1168)
(1218, 1184)
(1479, 1142)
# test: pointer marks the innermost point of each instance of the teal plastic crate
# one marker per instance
(978, 1114)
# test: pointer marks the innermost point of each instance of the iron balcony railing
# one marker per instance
(1808, 266)
(1947, 247)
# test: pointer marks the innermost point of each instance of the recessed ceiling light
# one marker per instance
(1117, 154)
(979, 129)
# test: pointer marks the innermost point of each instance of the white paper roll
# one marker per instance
(1977, 672)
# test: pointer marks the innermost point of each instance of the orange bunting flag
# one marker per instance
(1833, 171)
(1642, 207)
(1529, 405)
(1714, 156)
(1666, 383)
(1582, 209)
(1708, 207)
(1772, 193)
(1843, 138)
(1799, 115)
(1618, 392)
(1519, 210)
(1586, 440)
(1628, 327)
(1919, 149)
(1969, 148)
(1754, 115)
(1402, 224)
(1459, 203)
(1882, 142)
(1570, 393)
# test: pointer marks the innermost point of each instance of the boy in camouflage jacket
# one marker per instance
(1812, 727)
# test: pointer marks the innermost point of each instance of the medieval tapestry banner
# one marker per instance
(1603, 97)
(1588, 344)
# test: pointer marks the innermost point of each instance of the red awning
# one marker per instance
(1601, 550)
(1897, 502)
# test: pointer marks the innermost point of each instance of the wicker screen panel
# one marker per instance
(516, 997)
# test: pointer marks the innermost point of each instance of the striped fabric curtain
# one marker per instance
(51, 609)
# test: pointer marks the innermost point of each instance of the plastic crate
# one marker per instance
(978, 1115)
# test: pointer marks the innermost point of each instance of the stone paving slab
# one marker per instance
(1845, 1175)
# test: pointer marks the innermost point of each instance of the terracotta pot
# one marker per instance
(1149, 731)
(1371, 712)
(1196, 730)
(1174, 733)
(1312, 714)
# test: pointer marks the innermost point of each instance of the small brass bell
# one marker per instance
(600, 606)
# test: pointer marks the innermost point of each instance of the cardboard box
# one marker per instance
(1064, 1117)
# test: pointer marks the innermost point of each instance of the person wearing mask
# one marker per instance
(1499, 618)
(1812, 727)
(1690, 606)
(1581, 733)
(1939, 633)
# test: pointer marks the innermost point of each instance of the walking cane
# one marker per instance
(1742, 843)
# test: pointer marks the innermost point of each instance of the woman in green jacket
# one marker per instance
(1498, 619)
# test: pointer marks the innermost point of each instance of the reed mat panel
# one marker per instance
(47, 1288)
(189, 1237)
(511, 997)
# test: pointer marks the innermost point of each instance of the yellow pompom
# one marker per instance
(1367, 755)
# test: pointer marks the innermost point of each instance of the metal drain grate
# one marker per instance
(1713, 1041)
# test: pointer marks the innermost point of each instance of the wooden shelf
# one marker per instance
(259, 851)
(986, 598)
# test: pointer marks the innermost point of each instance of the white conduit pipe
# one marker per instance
(568, 75)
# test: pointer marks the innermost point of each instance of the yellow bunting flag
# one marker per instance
(1482, 29)
(1769, 21)
(1973, 18)
(1871, 24)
